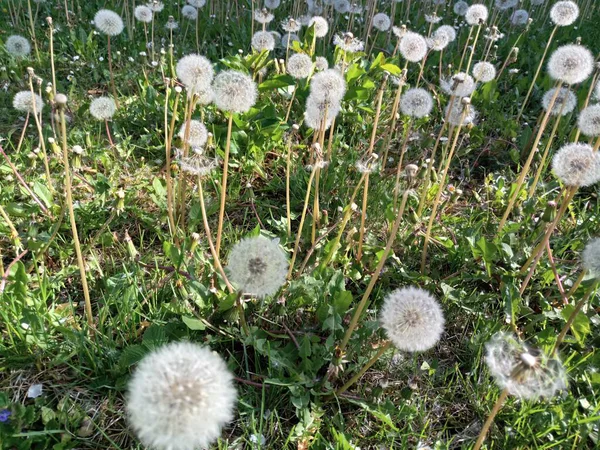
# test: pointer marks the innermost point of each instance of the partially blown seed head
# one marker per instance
(591, 257)
(108, 22)
(460, 85)
(416, 102)
(103, 108)
(577, 165)
(348, 42)
(257, 266)
(564, 13)
(234, 91)
(455, 114)
(571, 64)
(412, 319)
(589, 120)
(17, 46)
(180, 397)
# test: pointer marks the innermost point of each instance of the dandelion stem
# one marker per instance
(366, 367)
(577, 283)
(580, 304)
(224, 182)
(112, 77)
(490, 419)
(168, 178)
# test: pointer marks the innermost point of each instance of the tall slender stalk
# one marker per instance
(580, 304)
(366, 367)
(32, 31)
(168, 179)
(112, 76)
(224, 183)
(37, 116)
(51, 40)
(490, 419)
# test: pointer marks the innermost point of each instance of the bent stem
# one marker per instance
(224, 183)
(363, 302)
(69, 197)
(490, 419)
(366, 367)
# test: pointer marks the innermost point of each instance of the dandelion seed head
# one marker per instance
(103, 108)
(197, 133)
(503, 5)
(171, 24)
(321, 63)
(156, 5)
(589, 120)
(291, 25)
(257, 266)
(564, 103)
(320, 112)
(108, 22)
(438, 41)
(432, 18)
(591, 257)
(416, 102)
(412, 319)
(577, 165)
(25, 101)
(455, 114)
(525, 372)
(328, 85)
(195, 72)
(234, 91)
(461, 8)
(368, 164)
(189, 12)
(413, 47)
(320, 24)
(571, 64)
(460, 85)
(484, 71)
(448, 30)
(519, 17)
(382, 21)
(476, 14)
(564, 13)
(399, 32)
(180, 397)
(263, 16)
(272, 4)
(197, 3)
(143, 14)
(299, 65)
(17, 46)
(197, 164)
(348, 42)
(263, 40)
(288, 39)
(341, 6)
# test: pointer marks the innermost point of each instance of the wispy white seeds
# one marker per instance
(197, 3)
(348, 42)
(476, 14)
(321, 26)
(299, 65)
(263, 40)
(272, 4)
(234, 91)
(448, 30)
(519, 17)
(577, 165)
(413, 47)
(321, 63)
(591, 257)
(564, 13)
(17, 46)
(108, 22)
(197, 133)
(564, 103)
(328, 85)
(412, 319)
(143, 14)
(460, 85)
(381, 21)
(195, 72)
(571, 64)
(589, 120)
(257, 266)
(416, 102)
(320, 112)
(291, 25)
(461, 8)
(189, 12)
(455, 114)
(24, 101)
(180, 397)
(503, 5)
(484, 71)
(103, 108)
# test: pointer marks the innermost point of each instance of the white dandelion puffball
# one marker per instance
(288, 39)
(519, 17)
(564, 103)
(589, 120)
(272, 4)
(299, 65)
(103, 108)
(476, 14)
(195, 72)
(197, 133)
(263, 16)
(526, 372)
(348, 42)
(108, 22)
(189, 12)
(342, 6)
(143, 14)
(321, 26)
(455, 114)
(460, 85)
(413, 46)
(503, 5)
(412, 318)
(448, 30)
(591, 257)
(577, 165)
(257, 266)
(291, 25)
(180, 397)
(17, 46)
(276, 36)
(234, 91)
(320, 112)
(571, 64)
(197, 3)
(205, 96)
(438, 41)
(321, 63)
(24, 101)
(461, 8)
(416, 102)
(382, 21)
(263, 40)
(484, 71)
(564, 13)
(328, 85)
(171, 24)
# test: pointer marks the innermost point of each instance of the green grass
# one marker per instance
(150, 287)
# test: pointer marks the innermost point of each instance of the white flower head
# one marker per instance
(564, 13)
(382, 21)
(299, 65)
(564, 102)
(455, 114)
(17, 46)
(320, 24)
(476, 14)
(460, 85)
(143, 14)
(461, 8)
(291, 25)
(103, 108)
(180, 397)
(108, 22)
(526, 372)
(320, 112)
(257, 266)
(263, 16)
(263, 40)
(438, 41)
(448, 30)
(589, 120)
(348, 42)
(413, 46)
(484, 71)
(272, 4)
(503, 5)
(24, 101)
(571, 64)
(591, 257)
(197, 3)
(189, 12)
(519, 17)
(328, 85)
(234, 91)
(321, 63)
(416, 102)
(412, 319)
(342, 6)
(577, 165)
(195, 72)
(197, 134)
